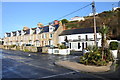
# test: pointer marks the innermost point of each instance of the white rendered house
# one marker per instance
(77, 18)
(78, 39)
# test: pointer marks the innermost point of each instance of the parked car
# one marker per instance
(85, 51)
(50, 46)
(28, 45)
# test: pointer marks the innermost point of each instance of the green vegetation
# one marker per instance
(113, 45)
(104, 31)
(17, 47)
(64, 21)
(26, 50)
(62, 46)
(94, 57)
(12, 46)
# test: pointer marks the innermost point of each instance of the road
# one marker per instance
(17, 64)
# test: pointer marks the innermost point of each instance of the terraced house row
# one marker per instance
(38, 36)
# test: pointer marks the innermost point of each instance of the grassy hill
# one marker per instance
(109, 18)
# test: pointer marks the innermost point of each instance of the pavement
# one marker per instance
(81, 67)
(108, 72)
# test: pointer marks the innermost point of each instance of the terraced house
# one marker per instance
(38, 36)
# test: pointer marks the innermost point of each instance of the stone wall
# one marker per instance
(1, 46)
(45, 49)
(56, 34)
(30, 49)
(22, 48)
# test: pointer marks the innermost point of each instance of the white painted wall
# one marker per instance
(75, 36)
(31, 31)
(5, 35)
(17, 33)
(37, 30)
(22, 32)
(11, 34)
(77, 18)
(59, 51)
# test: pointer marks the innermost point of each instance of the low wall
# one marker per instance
(59, 51)
(30, 49)
(22, 48)
(45, 49)
(1, 46)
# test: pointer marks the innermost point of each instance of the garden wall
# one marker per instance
(22, 48)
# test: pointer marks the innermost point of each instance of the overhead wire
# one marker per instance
(70, 13)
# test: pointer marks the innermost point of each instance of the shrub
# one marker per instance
(62, 46)
(12, 46)
(113, 45)
(17, 47)
(94, 57)
(26, 50)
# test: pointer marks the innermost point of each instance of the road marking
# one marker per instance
(59, 74)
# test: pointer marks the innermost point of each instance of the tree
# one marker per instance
(64, 21)
(104, 31)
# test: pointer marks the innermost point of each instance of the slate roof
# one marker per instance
(19, 31)
(45, 29)
(79, 31)
(7, 33)
(56, 27)
(27, 31)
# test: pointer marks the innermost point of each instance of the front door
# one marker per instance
(83, 45)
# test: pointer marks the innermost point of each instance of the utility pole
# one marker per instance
(94, 12)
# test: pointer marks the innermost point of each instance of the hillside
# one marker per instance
(109, 18)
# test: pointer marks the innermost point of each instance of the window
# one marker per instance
(79, 46)
(79, 37)
(83, 45)
(66, 39)
(86, 44)
(44, 35)
(86, 37)
(37, 43)
(51, 35)
(70, 45)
